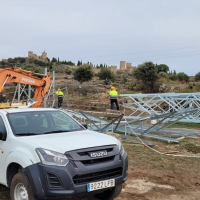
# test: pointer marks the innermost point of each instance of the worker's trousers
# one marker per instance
(112, 101)
(60, 100)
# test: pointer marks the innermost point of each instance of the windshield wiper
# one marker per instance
(58, 131)
(27, 134)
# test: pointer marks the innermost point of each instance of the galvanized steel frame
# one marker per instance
(150, 104)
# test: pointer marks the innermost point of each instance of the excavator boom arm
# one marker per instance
(16, 75)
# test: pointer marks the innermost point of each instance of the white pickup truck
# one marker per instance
(46, 154)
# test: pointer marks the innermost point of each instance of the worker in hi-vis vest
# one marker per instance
(113, 98)
(60, 95)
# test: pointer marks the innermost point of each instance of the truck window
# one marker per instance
(2, 126)
(40, 122)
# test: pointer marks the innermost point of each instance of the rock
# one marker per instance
(191, 85)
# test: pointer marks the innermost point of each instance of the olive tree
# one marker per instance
(147, 73)
(83, 73)
(106, 75)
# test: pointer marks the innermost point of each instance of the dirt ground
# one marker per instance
(157, 177)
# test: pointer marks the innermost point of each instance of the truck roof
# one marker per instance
(16, 110)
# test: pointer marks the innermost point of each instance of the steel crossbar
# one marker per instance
(141, 126)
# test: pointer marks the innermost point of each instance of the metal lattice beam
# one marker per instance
(151, 104)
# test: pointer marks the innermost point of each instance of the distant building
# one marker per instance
(122, 65)
(113, 69)
(43, 57)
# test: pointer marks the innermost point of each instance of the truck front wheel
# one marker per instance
(20, 188)
(110, 194)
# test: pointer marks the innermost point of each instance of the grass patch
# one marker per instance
(192, 148)
(185, 125)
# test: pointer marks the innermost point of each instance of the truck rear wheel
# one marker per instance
(20, 188)
(110, 194)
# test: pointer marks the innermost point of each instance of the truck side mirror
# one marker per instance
(84, 124)
(2, 136)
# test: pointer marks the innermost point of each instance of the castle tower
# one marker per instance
(128, 65)
(30, 54)
(122, 65)
(44, 55)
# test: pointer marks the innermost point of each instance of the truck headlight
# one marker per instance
(48, 157)
(121, 148)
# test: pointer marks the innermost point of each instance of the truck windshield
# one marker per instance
(42, 122)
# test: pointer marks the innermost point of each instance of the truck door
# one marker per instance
(2, 152)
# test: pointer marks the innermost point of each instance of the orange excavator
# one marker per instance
(17, 75)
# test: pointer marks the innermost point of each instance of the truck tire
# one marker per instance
(110, 194)
(20, 188)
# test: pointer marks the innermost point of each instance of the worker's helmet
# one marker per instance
(58, 88)
(112, 88)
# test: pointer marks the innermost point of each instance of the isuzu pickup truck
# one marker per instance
(46, 154)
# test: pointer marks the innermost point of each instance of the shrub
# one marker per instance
(197, 77)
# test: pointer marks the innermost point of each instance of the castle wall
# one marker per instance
(130, 69)
(96, 70)
(128, 65)
(113, 69)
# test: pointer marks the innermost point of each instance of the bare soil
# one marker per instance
(153, 176)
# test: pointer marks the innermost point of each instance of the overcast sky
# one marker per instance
(104, 31)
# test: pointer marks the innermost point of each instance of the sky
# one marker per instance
(104, 31)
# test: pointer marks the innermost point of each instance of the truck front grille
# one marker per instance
(98, 160)
(97, 176)
(53, 181)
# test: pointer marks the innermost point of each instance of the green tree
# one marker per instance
(48, 59)
(83, 73)
(162, 68)
(183, 77)
(173, 77)
(147, 73)
(70, 63)
(106, 75)
(54, 60)
(79, 63)
(197, 77)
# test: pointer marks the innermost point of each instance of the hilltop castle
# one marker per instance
(43, 57)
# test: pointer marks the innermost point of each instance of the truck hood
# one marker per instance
(68, 141)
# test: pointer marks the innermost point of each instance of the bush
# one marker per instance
(163, 75)
(131, 85)
(183, 77)
(34, 68)
(173, 77)
(198, 87)
(197, 77)
(106, 75)
(83, 73)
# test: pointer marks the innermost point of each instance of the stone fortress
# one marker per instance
(126, 68)
(33, 56)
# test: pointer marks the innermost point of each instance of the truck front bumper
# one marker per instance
(52, 182)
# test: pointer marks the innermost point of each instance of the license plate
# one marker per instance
(100, 185)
